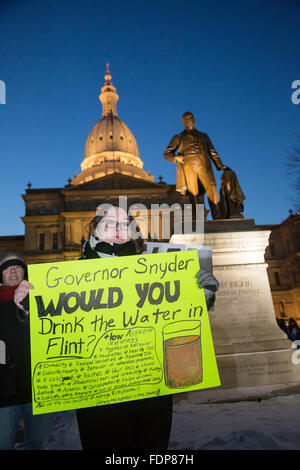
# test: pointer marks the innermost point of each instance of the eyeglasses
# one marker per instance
(113, 224)
(13, 268)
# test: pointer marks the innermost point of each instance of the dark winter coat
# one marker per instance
(15, 380)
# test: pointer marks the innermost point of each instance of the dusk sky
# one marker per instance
(231, 63)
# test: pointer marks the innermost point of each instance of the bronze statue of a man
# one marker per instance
(194, 152)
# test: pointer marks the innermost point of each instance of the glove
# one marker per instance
(209, 284)
(21, 295)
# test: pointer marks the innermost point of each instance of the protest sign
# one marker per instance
(118, 329)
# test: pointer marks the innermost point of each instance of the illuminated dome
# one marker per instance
(110, 146)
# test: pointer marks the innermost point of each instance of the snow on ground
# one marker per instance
(266, 424)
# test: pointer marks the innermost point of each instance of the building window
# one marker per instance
(272, 249)
(54, 241)
(281, 309)
(277, 278)
(42, 241)
(294, 276)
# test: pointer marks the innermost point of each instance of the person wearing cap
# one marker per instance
(15, 377)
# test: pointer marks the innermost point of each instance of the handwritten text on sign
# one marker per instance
(118, 329)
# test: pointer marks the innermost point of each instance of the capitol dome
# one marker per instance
(110, 147)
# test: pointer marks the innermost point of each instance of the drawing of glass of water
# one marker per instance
(182, 354)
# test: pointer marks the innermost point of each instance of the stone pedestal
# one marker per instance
(251, 349)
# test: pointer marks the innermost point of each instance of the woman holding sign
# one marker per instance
(139, 424)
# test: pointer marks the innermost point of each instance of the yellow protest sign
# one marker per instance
(118, 329)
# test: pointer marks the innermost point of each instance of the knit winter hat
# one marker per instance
(13, 262)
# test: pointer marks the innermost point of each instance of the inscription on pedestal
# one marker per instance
(243, 309)
(237, 291)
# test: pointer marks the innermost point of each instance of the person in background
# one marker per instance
(282, 325)
(293, 331)
(15, 378)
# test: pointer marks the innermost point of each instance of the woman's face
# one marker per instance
(114, 227)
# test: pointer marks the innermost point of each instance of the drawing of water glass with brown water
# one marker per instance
(182, 353)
